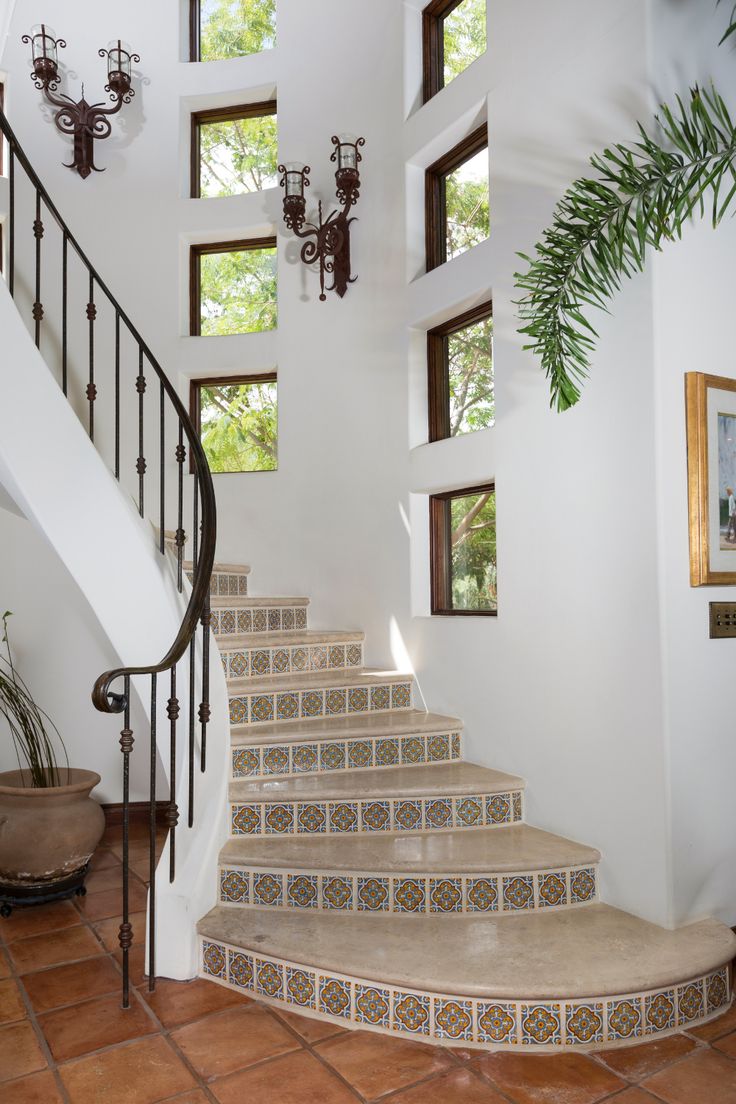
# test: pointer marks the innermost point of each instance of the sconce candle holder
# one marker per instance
(82, 120)
(329, 242)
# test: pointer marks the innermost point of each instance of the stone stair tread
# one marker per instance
(234, 642)
(517, 848)
(247, 601)
(337, 676)
(404, 722)
(222, 568)
(410, 781)
(588, 952)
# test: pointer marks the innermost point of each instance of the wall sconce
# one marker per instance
(329, 243)
(84, 121)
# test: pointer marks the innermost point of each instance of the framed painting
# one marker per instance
(711, 475)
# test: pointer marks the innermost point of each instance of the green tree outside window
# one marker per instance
(239, 426)
(238, 155)
(467, 205)
(470, 371)
(232, 28)
(473, 552)
(464, 34)
(238, 292)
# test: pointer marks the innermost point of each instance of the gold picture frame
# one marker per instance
(710, 406)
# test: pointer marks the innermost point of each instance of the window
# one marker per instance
(234, 150)
(463, 549)
(457, 204)
(232, 287)
(230, 28)
(454, 36)
(237, 421)
(460, 361)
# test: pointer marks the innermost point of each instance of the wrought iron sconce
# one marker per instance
(328, 243)
(84, 121)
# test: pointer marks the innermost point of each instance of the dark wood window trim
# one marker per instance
(439, 546)
(438, 367)
(219, 115)
(433, 42)
(195, 288)
(195, 408)
(435, 193)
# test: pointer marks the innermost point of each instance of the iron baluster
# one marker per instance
(204, 708)
(181, 455)
(64, 298)
(152, 845)
(162, 477)
(125, 936)
(37, 306)
(91, 388)
(11, 216)
(140, 467)
(173, 811)
(117, 394)
(192, 660)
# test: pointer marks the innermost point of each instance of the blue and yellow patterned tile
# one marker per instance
(659, 1012)
(300, 618)
(228, 623)
(304, 758)
(552, 889)
(274, 620)
(497, 1023)
(261, 708)
(313, 703)
(582, 886)
(453, 1019)
(318, 658)
(625, 1019)
(302, 891)
(234, 887)
(260, 620)
(481, 895)
(214, 959)
(312, 818)
(518, 892)
(240, 969)
(301, 987)
(413, 749)
(337, 655)
(344, 816)
(335, 702)
(498, 809)
(332, 756)
(411, 1013)
(269, 978)
(372, 1005)
(541, 1024)
(335, 997)
(360, 753)
(238, 711)
(287, 707)
(401, 695)
(445, 895)
(690, 1003)
(358, 700)
(380, 697)
(246, 762)
(438, 749)
(276, 760)
(409, 895)
(281, 661)
(372, 895)
(299, 659)
(354, 655)
(437, 813)
(238, 667)
(242, 584)
(279, 819)
(268, 889)
(376, 816)
(455, 745)
(387, 752)
(260, 662)
(407, 816)
(337, 893)
(469, 812)
(716, 990)
(288, 620)
(246, 820)
(584, 1023)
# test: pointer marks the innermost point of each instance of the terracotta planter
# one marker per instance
(47, 835)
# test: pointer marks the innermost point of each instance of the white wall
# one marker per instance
(566, 686)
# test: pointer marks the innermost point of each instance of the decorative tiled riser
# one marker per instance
(299, 705)
(226, 583)
(429, 814)
(260, 662)
(227, 622)
(407, 893)
(341, 755)
(549, 1025)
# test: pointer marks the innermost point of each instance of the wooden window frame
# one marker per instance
(195, 285)
(195, 30)
(435, 193)
(219, 115)
(438, 367)
(440, 552)
(195, 405)
(433, 45)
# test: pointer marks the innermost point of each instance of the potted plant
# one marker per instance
(49, 824)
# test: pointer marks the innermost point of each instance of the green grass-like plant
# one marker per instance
(33, 746)
(641, 195)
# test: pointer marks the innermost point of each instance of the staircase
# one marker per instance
(374, 878)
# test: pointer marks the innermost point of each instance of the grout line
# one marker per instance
(311, 1048)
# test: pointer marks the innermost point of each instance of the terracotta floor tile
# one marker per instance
(4, 964)
(196, 1097)
(704, 1078)
(103, 859)
(459, 1087)
(50, 949)
(179, 1002)
(38, 918)
(296, 1079)
(71, 1032)
(12, 1007)
(72, 983)
(313, 1031)
(636, 1063)
(727, 1044)
(232, 1040)
(635, 1096)
(716, 1028)
(549, 1079)
(108, 930)
(39, 1088)
(99, 906)
(136, 963)
(377, 1064)
(135, 1073)
(20, 1051)
(109, 878)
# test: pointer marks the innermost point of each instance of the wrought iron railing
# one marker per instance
(172, 436)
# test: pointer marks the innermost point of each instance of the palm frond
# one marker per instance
(640, 195)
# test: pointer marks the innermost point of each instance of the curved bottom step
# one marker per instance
(588, 979)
